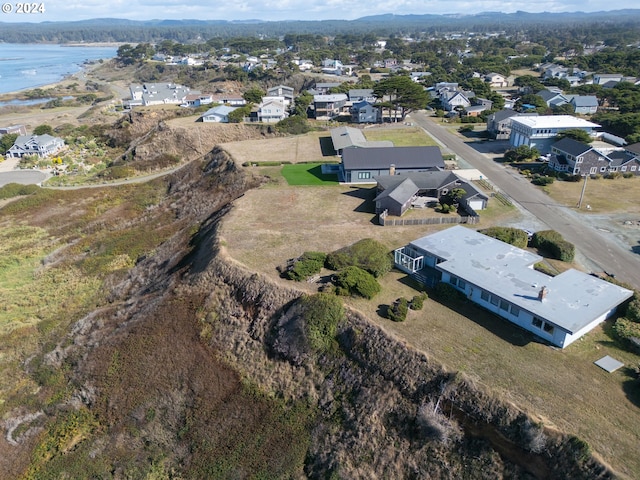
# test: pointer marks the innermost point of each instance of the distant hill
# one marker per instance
(185, 30)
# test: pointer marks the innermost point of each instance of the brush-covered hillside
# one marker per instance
(133, 347)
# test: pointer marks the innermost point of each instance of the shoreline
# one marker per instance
(85, 68)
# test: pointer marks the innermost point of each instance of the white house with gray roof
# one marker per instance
(540, 132)
(501, 278)
(40, 145)
(159, 94)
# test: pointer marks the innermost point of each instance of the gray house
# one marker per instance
(500, 278)
(584, 104)
(361, 94)
(347, 137)
(361, 165)
(577, 158)
(397, 193)
(365, 112)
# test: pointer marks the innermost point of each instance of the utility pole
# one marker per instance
(584, 187)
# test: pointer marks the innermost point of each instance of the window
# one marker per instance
(515, 311)
(536, 322)
(484, 295)
(364, 175)
(495, 300)
(593, 170)
(504, 305)
(462, 285)
(603, 169)
(548, 327)
(623, 169)
(633, 168)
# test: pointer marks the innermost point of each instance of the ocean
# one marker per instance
(25, 66)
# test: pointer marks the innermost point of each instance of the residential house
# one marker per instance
(159, 94)
(540, 132)
(361, 165)
(365, 112)
(604, 78)
(361, 94)
(219, 114)
(40, 145)
(584, 104)
(13, 129)
(397, 193)
(198, 99)
(322, 88)
(453, 100)
(328, 107)
(282, 91)
(554, 71)
(304, 64)
(475, 110)
(500, 278)
(499, 123)
(349, 137)
(496, 80)
(553, 98)
(270, 110)
(229, 99)
(576, 158)
(418, 76)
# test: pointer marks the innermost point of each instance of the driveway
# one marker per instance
(601, 252)
(24, 177)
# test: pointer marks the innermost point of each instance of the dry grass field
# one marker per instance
(603, 195)
(563, 388)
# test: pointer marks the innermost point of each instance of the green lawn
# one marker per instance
(307, 174)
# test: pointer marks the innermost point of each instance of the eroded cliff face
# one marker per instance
(198, 368)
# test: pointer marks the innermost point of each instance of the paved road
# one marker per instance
(24, 177)
(602, 253)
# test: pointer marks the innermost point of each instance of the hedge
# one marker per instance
(367, 254)
(513, 236)
(398, 311)
(308, 264)
(356, 281)
(552, 242)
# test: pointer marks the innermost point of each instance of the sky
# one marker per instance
(61, 10)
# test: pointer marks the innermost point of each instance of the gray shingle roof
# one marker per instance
(571, 146)
(383, 157)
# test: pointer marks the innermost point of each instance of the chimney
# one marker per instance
(392, 169)
(543, 293)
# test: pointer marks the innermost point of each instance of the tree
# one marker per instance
(301, 104)
(7, 141)
(454, 196)
(254, 95)
(522, 153)
(239, 113)
(576, 134)
(403, 94)
(43, 129)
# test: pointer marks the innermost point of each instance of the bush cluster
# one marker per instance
(398, 311)
(367, 254)
(552, 242)
(417, 302)
(447, 292)
(356, 281)
(15, 190)
(513, 236)
(322, 313)
(294, 125)
(542, 180)
(308, 264)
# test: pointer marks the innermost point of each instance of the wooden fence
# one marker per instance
(395, 221)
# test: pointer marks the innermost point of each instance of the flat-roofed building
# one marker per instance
(541, 131)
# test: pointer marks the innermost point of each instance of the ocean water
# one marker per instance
(25, 66)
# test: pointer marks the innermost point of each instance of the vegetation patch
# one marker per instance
(308, 174)
(367, 254)
(513, 236)
(355, 281)
(552, 243)
(308, 264)
(322, 313)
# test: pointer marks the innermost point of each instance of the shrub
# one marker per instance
(626, 329)
(398, 311)
(308, 264)
(628, 175)
(294, 125)
(417, 302)
(447, 292)
(512, 236)
(542, 180)
(633, 309)
(552, 242)
(367, 254)
(323, 313)
(356, 281)
(613, 175)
